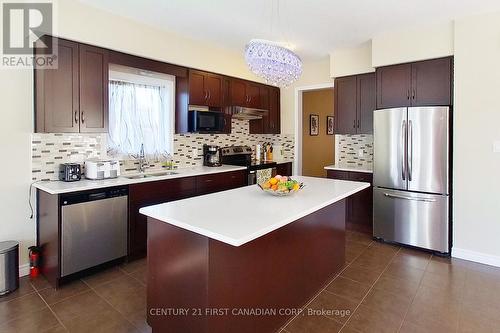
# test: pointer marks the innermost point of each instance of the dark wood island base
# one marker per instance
(198, 284)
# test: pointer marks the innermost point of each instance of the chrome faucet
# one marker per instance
(143, 164)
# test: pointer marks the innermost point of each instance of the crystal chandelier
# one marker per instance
(278, 65)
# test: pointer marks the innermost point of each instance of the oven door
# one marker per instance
(205, 121)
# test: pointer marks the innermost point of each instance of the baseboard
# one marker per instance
(479, 257)
(24, 270)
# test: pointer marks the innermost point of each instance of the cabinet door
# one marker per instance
(93, 89)
(57, 92)
(260, 126)
(151, 193)
(213, 87)
(360, 205)
(393, 86)
(284, 169)
(238, 93)
(253, 95)
(337, 174)
(227, 124)
(431, 82)
(345, 105)
(367, 100)
(235, 179)
(274, 111)
(210, 183)
(197, 93)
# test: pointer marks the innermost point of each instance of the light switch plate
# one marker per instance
(496, 146)
(360, 153)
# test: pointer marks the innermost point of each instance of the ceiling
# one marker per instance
(313, 27)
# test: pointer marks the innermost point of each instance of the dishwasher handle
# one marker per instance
(93, 195)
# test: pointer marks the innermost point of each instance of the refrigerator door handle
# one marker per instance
(389, 195)
(410, 150)
(403, 147)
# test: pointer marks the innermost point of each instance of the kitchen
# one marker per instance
(56, 119)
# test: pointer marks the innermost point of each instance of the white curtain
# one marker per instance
(140, 114)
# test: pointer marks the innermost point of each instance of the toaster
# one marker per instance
(70, 172)
(101, 169)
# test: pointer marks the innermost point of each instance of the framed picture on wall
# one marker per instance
(313, 124)
(329, 125)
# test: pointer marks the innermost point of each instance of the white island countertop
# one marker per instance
(241, 215)
(58, 187)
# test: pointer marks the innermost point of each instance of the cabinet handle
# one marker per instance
(76, 117)
(208, 180)
(358, 123)
(413, 94)
(209, 94)
(83, 117)
(206, 94)
(354, 126)
(408, 94)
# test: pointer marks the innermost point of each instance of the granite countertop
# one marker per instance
(352, 168)
(252, 213)
(58, 187)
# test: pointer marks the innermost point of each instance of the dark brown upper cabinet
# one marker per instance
(423, 83)
(205, 89)
(57, 92)
(274, 111)
(345, 105)
(73, 97)
(245, 93)
(94, 78)
(431, 82)
(366, 102)
(269, 99)
(355, 102)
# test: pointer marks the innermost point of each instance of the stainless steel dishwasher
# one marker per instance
(93, 228)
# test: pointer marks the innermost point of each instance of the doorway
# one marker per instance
(318, 146)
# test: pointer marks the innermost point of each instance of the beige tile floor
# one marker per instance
(382, 288)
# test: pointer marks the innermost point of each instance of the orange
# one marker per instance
(273, 181)
(274, 187)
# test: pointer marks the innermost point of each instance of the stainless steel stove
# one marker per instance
(242, 155)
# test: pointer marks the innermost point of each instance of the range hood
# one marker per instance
(244, 113)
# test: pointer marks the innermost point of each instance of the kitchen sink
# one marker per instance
(148, 175)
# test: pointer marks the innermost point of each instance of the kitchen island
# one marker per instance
(242, 260)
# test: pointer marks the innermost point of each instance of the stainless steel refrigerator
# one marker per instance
(411, 176)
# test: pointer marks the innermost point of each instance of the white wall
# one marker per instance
(407, 45)
(316, 72)
(351, 61)
(477, 125)
(86, 24)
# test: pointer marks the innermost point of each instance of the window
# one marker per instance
(141, 111)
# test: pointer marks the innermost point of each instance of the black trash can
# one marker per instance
(9, 267)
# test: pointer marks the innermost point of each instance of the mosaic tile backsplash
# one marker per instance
(349, 147)
(50, 150)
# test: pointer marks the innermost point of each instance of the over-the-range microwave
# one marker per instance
(205, 121)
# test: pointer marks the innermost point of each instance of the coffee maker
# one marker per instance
(211, 156)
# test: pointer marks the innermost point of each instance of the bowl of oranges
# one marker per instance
(281, 186)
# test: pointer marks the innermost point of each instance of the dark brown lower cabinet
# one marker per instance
(284, 169)
(152, 193)
(359, 208)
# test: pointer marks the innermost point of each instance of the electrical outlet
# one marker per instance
(496, 146)
(361, 153)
